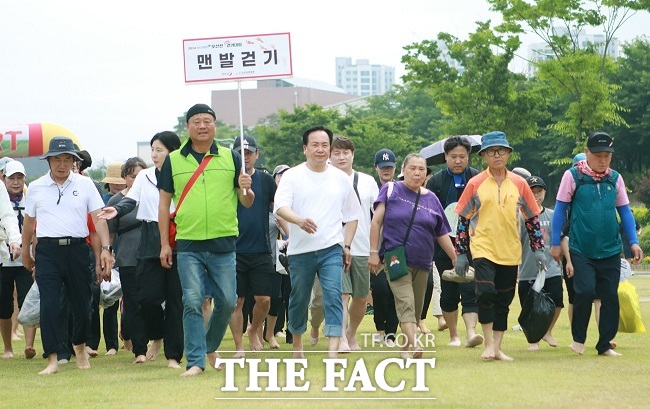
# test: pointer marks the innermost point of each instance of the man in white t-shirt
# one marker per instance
(316, 199)
(356, 281)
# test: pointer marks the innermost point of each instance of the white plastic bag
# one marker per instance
(110, 291)
(280, 248)
(30, 313)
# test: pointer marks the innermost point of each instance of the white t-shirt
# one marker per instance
(62, 210)
(368, 192)
(325, 197)
(145, 193)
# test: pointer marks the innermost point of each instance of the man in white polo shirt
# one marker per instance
(62, 200)
(316, 199)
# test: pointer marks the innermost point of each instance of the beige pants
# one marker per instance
(409, 294)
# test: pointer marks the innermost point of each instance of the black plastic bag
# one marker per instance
(537, 312)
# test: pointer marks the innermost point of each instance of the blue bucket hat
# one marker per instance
(492, 139)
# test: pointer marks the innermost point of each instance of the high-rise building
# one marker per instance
(538, 52)
(362, 78)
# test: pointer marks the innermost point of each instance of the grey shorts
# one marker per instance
(356, 281)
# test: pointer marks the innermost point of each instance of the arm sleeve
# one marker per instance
(462, 236)
(559, 216)
(125, 206)
(535, 233)
(628, 223)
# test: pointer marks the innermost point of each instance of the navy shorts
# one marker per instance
(255, 273)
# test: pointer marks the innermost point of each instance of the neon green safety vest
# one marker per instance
(209, 210)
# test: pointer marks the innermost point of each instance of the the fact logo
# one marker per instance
(360, 379)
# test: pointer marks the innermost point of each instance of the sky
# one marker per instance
(112, 72)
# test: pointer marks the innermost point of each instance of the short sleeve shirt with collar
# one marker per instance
(62, 210)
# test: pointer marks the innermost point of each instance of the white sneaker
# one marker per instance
(280, 334)
(390, 343)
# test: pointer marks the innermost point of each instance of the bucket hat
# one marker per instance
(493, 139)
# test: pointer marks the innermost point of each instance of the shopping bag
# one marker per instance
(395, 261)
(110, 291)
(30, 313)
(537, 312)
(630, 309)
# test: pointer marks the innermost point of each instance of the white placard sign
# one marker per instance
(236, 58)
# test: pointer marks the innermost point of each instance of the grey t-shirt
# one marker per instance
(128, 230)
(528, 268)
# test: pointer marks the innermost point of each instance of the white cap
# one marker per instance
(13, 167)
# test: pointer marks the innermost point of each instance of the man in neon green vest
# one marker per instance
(207, 230)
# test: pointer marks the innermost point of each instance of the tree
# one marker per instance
(633, 80)
(485, 95)
(576, 71)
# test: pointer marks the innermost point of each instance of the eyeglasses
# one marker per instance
(501, 151)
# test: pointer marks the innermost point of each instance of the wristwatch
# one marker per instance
(347, 246)
(109, 248)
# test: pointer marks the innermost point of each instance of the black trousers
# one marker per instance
(23, 282)
(160, 285)
(495, 290)
(133, 326)
(283, 316)
(57, 266)
(383, 302)
(592, 277)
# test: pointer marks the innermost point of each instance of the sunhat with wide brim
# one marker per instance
(114, 174)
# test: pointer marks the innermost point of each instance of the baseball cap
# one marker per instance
(14, 167)
(384, 158)
(249, 144)
(280, 169)
(600, 142)
(524, 173)
(536, 181)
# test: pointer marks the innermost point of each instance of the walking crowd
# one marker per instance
(204, 241)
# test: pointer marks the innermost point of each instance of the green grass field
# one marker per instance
(549, 378)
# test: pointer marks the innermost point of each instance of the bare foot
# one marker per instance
(500, 356)
(534, 347)
(15, 337)
(50, 369)
(454, 342)
(82, 359)
(273, 343)
(8, 355)
(613, 344)
(63, 361)
(548, 338)
(212, 360)
(111, 351)
(193, 371)
(353, 344)
(128, 345)
(30, 352)
(442, 324)
(298, 355)
(239, 354)
(611, 352)
(91, 352)
(404, 355)
(344, 348)
(417, 352)
(488, 353)
(577, 347)
(254, 340)
(474, 341)
(173, 364)
(140, 359)
(422, 326)
(154, 349)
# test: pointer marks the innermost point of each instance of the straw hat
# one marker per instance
(114, 174)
